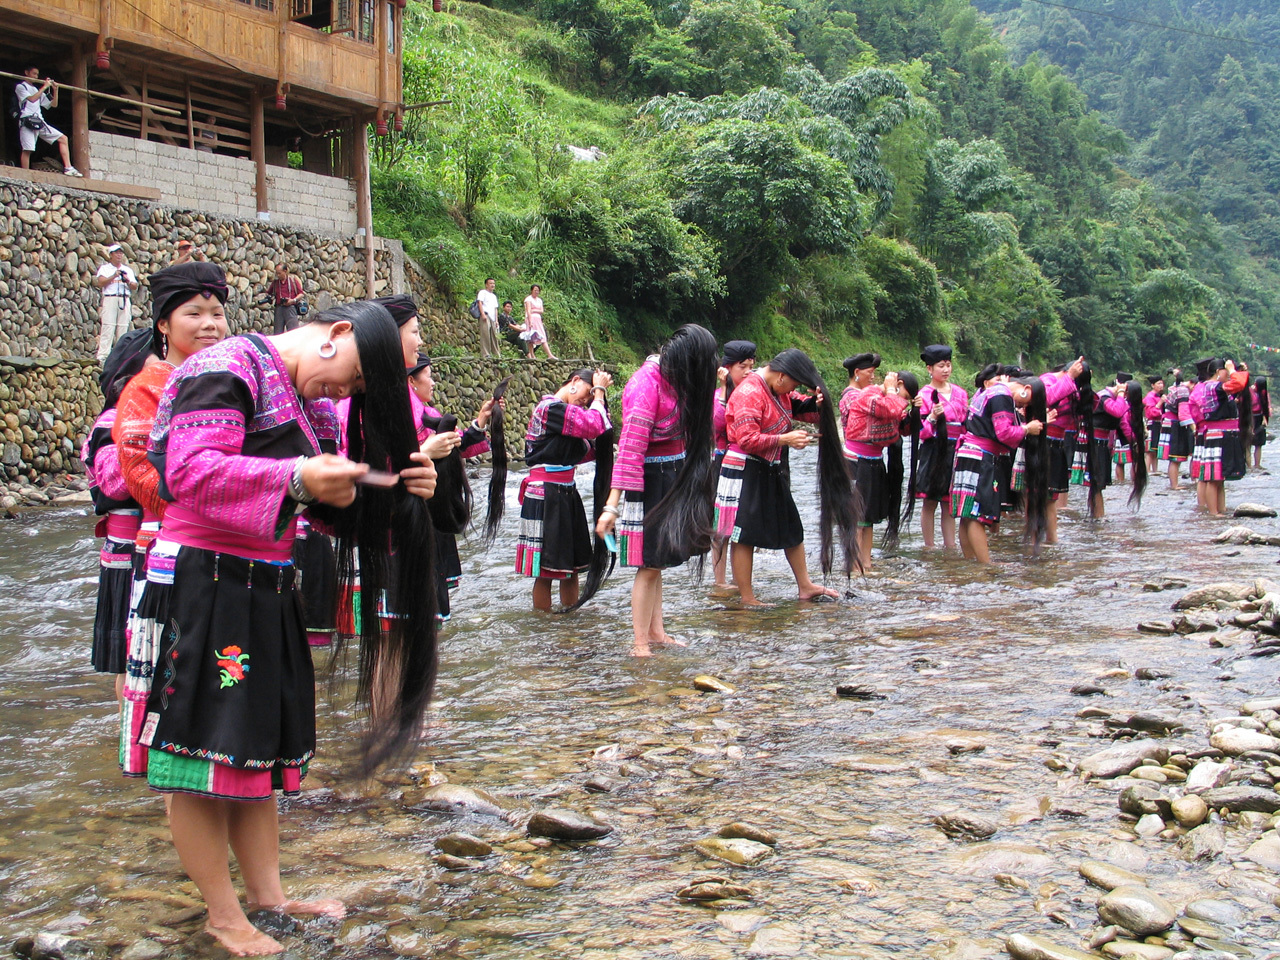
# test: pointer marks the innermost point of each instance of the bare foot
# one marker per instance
(306, 908)
(242, 942)
(757, 605)
(666, 640)
(818, 591)
(639, 651)
(725, 590)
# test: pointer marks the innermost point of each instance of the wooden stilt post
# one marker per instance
(364, 198)
(80, 112)
(258, 151)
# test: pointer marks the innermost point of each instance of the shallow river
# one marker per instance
(527, 701)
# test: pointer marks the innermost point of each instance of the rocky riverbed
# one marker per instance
(1014, 767)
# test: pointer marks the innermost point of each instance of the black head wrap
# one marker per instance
(1123, 377)
(1011, 370)
(1203, 368)
(419, 365)
(175, 285)
(735, 351)
(935, 353)
(796, 365)
(401, 306)
(585, 374)
(861, 361)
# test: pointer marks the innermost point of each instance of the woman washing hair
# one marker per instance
(873, 419)
(1061, 393)
(754, 506)
(736, 361)
(991, 429)
(1261, 417)
(664, 470)
(1153, 414)
(188, 316)
(944, 407)
(244, 440)
(1177, 428)
(555, 540)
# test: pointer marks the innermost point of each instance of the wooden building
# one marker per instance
(272, 81)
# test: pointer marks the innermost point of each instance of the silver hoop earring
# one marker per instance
(327, 350)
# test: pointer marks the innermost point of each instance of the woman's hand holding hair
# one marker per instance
(796, 439)
(1034, 427)
(1076, 368)
(440, 445)
(420, 481)
(486, 411)
(722, 375)
(332, 479)
(602, 378)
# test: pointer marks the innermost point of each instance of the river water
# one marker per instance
(531, 706)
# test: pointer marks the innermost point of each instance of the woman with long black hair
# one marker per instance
(873, 419)
(1177, 427)
(1261, 398)
(664, 470)
(243, 441)
(754, 505)
(943, 409)
(1112, 418)
(1224, 424)
(991, 429)
(447, 446)
(564, 430)
(1153, 414)
(737, 359)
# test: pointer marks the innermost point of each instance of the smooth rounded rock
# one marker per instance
(746, 831)
(1120, 758)
(1221, 912)
(1133, 950)
(464, 845)
(560, 824)
(1108, 876)
(1190, 811)
(1137, 909)
(742, 853)
(1022, 947)
(1236, 740)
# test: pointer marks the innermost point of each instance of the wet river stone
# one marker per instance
(1254, 510)
(735, 850)
(1190, 811)
(1203, 596)
(1237, 799)
(1236, 740)
(1266, 852)
(746, 831)
(1204, 842)
(1221, 912)
(455, 799)
(712, 685)
(965, 826)
(715, 889)
(988, 859)
(1038, 948)
(1132, 950)
(560, 824)
(464, 845)
(1108, 876)
(1138, 909)
(1122, 757)
(1206, 775)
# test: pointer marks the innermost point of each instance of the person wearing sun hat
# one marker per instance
(117, 281)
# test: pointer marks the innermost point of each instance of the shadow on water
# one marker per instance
(973, 666)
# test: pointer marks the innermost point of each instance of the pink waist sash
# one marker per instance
(188, 528)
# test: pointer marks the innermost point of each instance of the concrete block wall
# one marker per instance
(212, 183)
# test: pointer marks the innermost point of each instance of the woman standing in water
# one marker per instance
(944, 407)
(993, 429)
(188, 315)
(244, 439)
(873, 419)
(1177, 428)
(1153, 413)
(1261, 417)
(736, 361)
(754, 506)
(664, 471)
(555, 539)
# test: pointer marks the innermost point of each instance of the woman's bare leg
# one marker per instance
(202, 837)
(742, 557)
(646, 604)
(542, 593)
(866, 540)
(977, 536)
(800, 569)
(927, 510)
(1051, 520)
(568, 591)
(1173, 475)
(948, 524)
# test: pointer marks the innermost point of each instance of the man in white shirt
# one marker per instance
(488, 321)
(117, 283)
(33, 97)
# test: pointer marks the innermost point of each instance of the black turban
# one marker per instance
(935, 353)
(126, 358)
(862, 361)
(735, 351)
(796, 365)
(175, 285)
(1206, 368)
(1123, 377)
(401, 307)
(422, 362)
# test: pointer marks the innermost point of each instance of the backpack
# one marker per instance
(13, 106)
(475, 309)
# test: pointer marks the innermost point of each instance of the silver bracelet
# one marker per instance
(611, 508)
(297, 490)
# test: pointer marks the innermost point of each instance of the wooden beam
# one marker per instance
(364, 199)
(191, 129)
(258, 151)
(282, 48)
(80, 111)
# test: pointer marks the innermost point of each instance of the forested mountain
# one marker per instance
(838, 174)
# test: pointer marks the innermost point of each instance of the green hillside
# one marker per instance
(833, 174)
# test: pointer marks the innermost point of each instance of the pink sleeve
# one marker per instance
(744, 419)
(1116, 406)
(1008, 430)
(585, 423)
(1057, 387)
(107, 474)
(639, 411)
